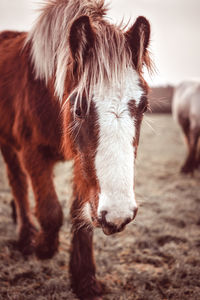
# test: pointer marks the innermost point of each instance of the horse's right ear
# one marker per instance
(138, 37)
(81, 38)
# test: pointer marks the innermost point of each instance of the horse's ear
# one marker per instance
(81, 38)
(138, 37)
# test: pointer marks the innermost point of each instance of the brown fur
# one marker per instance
(24, 143)
(36, 131)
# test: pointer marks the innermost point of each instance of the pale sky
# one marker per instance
(175, 40)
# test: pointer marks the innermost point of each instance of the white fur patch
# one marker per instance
(114, 160)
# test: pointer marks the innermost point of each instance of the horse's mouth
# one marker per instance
(112, 229)
(108, 229)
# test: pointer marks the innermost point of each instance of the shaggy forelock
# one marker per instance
(109, 56)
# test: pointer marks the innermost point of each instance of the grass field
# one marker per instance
(156, 257)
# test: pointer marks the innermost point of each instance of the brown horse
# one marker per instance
(186, 110)
(72, 88)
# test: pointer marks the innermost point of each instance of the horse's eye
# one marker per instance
(79, 107)
(79, 113)
(145, 109)
(144, 104)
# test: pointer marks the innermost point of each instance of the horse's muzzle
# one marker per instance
(110, 228)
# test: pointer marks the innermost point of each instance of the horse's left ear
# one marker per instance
(138, 37)
(81, 38)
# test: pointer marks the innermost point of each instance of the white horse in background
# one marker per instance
(186, 111)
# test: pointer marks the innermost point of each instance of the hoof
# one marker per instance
(46, 245)
(89, 289)
(187, 170)
(27, 238)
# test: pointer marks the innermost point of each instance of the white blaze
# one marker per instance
(114, 160)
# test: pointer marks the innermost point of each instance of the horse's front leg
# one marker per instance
(48, 208)
(82, 265)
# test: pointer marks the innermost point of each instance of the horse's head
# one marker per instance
(104, 113)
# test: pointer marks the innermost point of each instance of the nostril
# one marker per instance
(135, 210)
(128, 220)
(103, 216)
(103, 213)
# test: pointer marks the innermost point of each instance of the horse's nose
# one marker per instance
(116, 225)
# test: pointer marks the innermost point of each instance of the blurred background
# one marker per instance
(158, 255)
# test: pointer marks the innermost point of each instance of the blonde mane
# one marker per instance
(109, 57)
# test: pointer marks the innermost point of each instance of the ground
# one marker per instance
(156, 257)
